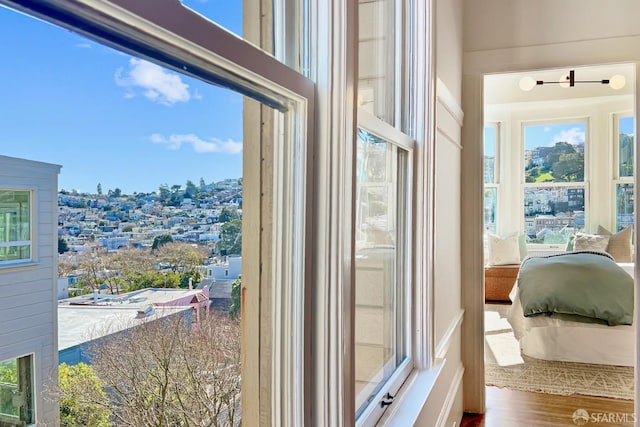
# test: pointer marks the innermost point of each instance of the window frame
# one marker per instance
(495, 185)
(585, 183)
(369, 123)
(617, 179)
(30, 364)
(32, 237)
(188, 43)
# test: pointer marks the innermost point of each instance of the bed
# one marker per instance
(572, 337)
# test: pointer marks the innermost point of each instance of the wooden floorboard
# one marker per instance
(512, 408)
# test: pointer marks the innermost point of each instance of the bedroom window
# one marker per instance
(16, 392)
(382, 265)
(624, 126)
(554, 181)
(491, 174)
(15, 226)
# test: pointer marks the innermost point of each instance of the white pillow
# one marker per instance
(504, 250)
(590, 242)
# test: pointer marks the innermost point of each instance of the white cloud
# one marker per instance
(572, 136)
(176, 141)
(547, 129)
(154, 82)
(84, 45)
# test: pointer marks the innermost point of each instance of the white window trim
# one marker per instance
(617, 179)
(32, 232)
(386, 132)
(217, 54)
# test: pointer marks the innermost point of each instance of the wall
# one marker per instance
(510, 36)
(444, 405)
(28, 293)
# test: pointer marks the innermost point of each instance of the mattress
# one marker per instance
(550, 338)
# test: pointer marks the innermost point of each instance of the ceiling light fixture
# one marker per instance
(569, 80)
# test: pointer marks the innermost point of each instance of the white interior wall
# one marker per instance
(519, 35)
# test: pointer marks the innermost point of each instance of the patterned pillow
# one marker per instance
(504, 250)
(619, 246)
(590, 242)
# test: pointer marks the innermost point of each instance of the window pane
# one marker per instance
(227, 14)
(490, 208)
(552, 213)
(16, 392)
(624, 206)
(15, 225)
(380, 346)
(554, 153)
(377, 58)
(489, 155)
(625, 147)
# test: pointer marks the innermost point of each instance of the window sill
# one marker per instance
(18, 264)
(412, 397)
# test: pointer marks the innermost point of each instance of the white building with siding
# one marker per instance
(28, 285)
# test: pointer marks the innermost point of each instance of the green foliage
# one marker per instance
(230, 242)
(153, 279)
(9, 372)
(562, 164)
(228, 215)
(83, 402)
(236, 292)
(158, 241)
(62, 245)
(190, 190)
(194, 275)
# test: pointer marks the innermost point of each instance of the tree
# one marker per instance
(182, 257)
(190, 190)
(236, 292)
(83, 402)
(117, 192)
(569, 168)
(158, 241)
(227, 214)
(99, 189)
(167, 373)
(230, 238)
(62, 245)
(164, 194)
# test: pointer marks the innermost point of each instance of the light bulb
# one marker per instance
(564, 81)
(527, 83)
(617, 82)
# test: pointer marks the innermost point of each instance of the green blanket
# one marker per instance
(587, 284)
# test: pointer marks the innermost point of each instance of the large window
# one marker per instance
(277, 132)
(15, 226)
(491, 174)
(623, 180)
(382, 310)
(554, 176)
(16, 392)
(383, 316)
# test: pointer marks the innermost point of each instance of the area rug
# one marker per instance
(553, 377)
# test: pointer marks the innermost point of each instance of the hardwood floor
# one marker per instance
(509, 408)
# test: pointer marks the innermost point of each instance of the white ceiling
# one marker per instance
(505, 89)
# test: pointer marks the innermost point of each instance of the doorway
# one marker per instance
(526, 194)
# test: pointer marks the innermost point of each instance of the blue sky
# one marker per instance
(110, 118)
(548, 135)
